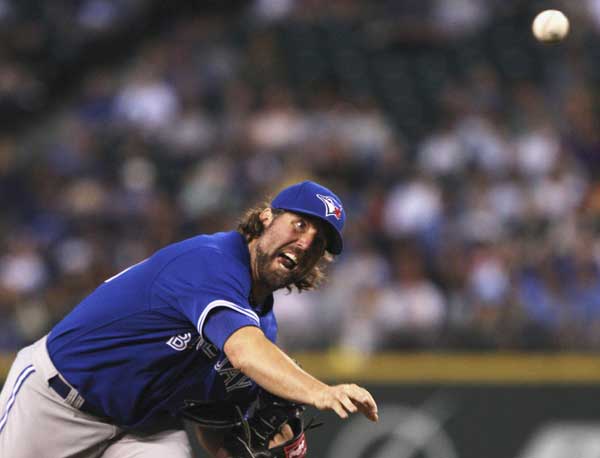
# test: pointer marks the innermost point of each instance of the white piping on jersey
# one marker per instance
(11, 400)
(223, 303)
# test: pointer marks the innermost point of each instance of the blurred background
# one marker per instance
(466, 153)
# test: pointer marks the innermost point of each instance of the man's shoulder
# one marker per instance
(217, 244)
(207, 256)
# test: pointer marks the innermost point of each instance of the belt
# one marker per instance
(65, 392)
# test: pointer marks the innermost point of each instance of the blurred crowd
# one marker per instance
(466, 154)
(44, 46)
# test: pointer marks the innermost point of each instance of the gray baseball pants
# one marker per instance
(35, 422)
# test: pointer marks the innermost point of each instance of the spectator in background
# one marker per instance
(455, 132)
(411, 310)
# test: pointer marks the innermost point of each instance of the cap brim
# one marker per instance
(334, 240)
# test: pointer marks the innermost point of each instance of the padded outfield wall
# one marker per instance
(461, 406)
(449, 405)
(466, 406)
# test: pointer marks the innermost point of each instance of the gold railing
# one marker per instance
(444, 368)
(476, 368)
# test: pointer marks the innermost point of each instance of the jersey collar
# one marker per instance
(265, 307)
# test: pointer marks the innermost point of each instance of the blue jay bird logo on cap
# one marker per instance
(332, 208)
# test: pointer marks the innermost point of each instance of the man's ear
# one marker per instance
(266, 217)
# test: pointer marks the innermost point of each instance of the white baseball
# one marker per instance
(550, 26)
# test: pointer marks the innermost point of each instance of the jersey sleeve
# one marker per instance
(200, 283)
(221, 323)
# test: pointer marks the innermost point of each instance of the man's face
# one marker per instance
(288, 249)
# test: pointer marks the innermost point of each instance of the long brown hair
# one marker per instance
(251, 227)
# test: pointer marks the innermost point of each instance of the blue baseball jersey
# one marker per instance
(153, 335)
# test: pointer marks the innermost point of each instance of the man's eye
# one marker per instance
(300, 224)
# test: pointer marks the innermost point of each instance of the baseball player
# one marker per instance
(192, 321)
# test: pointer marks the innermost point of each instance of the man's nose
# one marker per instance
(306, 240)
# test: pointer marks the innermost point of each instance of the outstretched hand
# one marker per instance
(347, 399)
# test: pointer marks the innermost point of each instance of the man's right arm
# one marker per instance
(257, 357)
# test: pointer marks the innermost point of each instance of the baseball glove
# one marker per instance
(248, 436)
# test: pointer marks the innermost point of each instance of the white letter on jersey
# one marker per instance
(230, 374)
(180, 341)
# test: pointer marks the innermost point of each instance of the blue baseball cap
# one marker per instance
(313, 199)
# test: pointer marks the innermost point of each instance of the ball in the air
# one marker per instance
(550, 26)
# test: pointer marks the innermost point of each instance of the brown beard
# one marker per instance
(274, 280)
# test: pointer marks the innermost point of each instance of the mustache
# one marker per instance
(298, 252)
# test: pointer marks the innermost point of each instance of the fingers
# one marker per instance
(364, 402)
(349, 404)
(284, 435)
(369, 412)
(277, 440)
(367, 405)
(339, 409)
(286, 432)
(348, 399)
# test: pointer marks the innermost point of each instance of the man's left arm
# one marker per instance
(258, 358)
